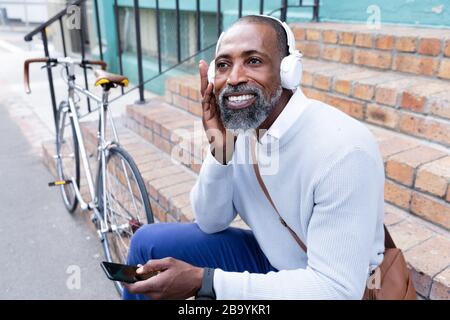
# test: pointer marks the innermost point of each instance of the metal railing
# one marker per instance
(200, 47)
(42, 30)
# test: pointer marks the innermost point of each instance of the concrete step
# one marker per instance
(413, 105)
(168, 183)
(417, 174)
(421, 51)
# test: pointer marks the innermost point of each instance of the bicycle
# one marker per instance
(119, 200)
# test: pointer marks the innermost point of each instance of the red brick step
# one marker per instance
(421, 51)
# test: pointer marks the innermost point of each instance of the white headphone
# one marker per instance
(291, 66)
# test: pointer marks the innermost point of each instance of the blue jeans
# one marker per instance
(230, 250)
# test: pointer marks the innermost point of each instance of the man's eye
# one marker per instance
(254, 61)
(221, 65)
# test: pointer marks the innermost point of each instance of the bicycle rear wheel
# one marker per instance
(127, 206)
(67, 156)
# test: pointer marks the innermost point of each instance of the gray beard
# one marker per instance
(251, 117)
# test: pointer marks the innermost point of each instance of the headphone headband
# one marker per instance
(218, 41)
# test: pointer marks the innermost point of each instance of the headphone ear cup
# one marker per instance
(211, 71)
(291, 71)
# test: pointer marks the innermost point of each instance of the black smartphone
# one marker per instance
(124, 273)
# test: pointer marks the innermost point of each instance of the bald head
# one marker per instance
(281, 37)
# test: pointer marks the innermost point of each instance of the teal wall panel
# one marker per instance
(107, 25)
(407, 12)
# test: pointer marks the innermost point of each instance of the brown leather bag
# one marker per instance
(395, 281)
(391, 280)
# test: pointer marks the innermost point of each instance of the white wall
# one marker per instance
(35, 10)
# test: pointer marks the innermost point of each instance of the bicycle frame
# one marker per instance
(106, 218)
(102, 146)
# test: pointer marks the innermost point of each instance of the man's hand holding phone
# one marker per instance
(125, 273)
(176, 279)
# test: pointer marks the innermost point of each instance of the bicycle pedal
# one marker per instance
(59, 183)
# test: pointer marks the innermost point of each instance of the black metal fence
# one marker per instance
(200, 47)
(42, 30)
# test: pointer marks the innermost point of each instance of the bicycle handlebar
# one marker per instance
(100, 63)
(26, 69)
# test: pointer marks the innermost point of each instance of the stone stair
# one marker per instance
(420, 51)
(363, 74)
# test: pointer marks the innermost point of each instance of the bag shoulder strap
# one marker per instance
(267, 194)
(388, 242)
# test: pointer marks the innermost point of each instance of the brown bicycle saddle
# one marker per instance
(104, 77)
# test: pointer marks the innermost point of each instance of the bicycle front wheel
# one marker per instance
(123, 199)
(67, 156)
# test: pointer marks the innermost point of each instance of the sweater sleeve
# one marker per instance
(340, 236)
(212, 196)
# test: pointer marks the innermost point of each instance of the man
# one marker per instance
(327, 185)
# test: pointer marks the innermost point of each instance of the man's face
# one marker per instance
(247, 83)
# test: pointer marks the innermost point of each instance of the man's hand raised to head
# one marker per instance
(176, 280)
(218, 136)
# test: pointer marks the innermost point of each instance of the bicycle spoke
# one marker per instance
(122, 256)
(118, 236)
(130, 193)
(116, 207)
(121, 215)
(70, 156)
(112, 195)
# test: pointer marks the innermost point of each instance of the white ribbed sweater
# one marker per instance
(328, 185)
